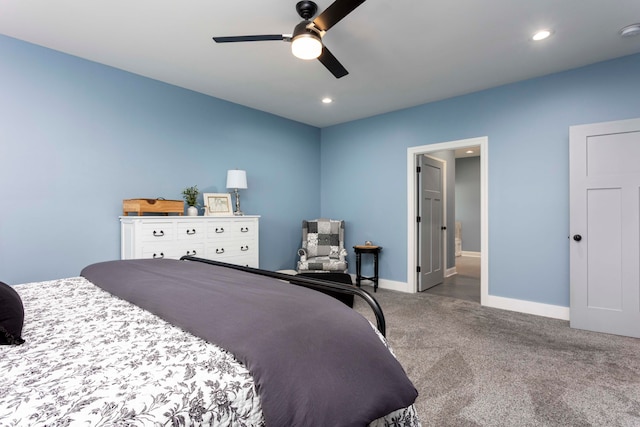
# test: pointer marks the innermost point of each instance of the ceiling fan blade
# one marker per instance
(331, 62)
(265, 37)
(334, 13)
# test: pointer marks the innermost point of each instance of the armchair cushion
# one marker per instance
(322, 263)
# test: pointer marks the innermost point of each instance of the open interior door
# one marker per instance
(430, 225)
(604, 226)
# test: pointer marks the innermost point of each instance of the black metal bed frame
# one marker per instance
(307, 282)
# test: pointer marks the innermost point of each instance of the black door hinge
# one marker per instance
(418, 269)
(418, 219)
(418, 169)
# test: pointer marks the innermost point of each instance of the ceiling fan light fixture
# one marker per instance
(305, 43)
(541, 35)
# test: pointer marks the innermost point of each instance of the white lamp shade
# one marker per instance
(237, 179)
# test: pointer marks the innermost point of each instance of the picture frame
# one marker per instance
(217, 204)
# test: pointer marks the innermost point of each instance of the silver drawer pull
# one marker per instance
(219, 251)
(220, 230)
(244, 248)
(158, 256)
(244, 229)
(191, 232)
(192, 253)
(158, 234)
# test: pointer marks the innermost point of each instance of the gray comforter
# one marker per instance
(314, 360)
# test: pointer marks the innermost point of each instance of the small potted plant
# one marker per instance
(190, 195)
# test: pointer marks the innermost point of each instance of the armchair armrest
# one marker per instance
(343, 254)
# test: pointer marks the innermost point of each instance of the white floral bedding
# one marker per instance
(92, 359)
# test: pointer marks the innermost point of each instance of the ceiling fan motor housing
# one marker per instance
(306, 9)
(306, 28)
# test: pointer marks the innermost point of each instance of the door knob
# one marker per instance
(577, 237)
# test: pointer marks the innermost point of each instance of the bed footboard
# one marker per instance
(307, 282)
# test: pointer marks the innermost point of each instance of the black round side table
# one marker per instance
(367, 249)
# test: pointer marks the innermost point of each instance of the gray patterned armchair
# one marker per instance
(322, 247)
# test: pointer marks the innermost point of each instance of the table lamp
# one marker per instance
(237, 180)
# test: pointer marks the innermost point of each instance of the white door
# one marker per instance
(430, 226)
(604, 163)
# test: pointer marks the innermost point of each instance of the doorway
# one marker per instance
(465, 284)
(413, 242)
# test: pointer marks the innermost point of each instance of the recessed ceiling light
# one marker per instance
(630, 30)
(469, 151)
(541, 35)
(327, 100)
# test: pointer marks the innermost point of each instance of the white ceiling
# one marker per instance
(400, 53)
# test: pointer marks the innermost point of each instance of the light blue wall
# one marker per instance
(468, 201)
(76, 138)
(527, 123)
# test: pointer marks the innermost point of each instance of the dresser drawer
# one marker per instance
(159, 251)
(157, 231)
(233, 253)
(191, 232)
(219, 230)
(231, 249)
(245, 229)
(172, 251)
(232, 230)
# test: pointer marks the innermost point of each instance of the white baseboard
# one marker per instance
(450, 272)
(471, 254)
(528, 307)
(391, 285)
(510, 304)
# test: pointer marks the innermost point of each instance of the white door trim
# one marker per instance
(412, 238)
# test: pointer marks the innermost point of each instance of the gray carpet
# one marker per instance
(477, 366)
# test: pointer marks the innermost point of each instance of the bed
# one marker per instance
(168, 342)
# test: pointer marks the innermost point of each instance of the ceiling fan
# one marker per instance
(306, 40)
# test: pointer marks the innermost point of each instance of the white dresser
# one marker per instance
(232, 239)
